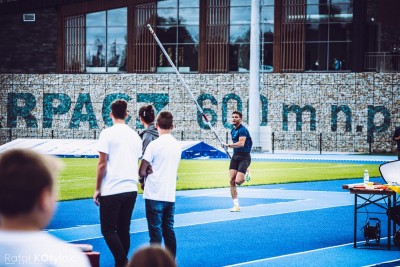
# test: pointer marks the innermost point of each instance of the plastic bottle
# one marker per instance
(366, 177)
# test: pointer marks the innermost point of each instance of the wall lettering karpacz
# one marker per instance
(55, 104)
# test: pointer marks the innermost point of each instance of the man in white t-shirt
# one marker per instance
(27, 204)
(163, 155)
(120, 148)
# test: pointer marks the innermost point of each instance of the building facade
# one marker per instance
(329, 68)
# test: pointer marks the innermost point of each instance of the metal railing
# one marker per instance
(382, 62)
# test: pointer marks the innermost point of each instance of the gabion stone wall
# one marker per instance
(334, 112)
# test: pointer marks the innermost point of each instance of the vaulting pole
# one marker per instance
(187, 88)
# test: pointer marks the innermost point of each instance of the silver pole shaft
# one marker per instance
(186, 87)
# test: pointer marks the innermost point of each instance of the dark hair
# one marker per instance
(164, 120)
(24, 174)
(118, 108)
(152, 256)
(237, 112)
(147, 113)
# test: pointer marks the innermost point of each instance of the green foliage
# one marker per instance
(79, 176)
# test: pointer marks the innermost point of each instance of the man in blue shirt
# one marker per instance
(241, 159)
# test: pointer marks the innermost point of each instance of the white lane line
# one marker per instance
(296, 201)
(350, 245)
(286, 255)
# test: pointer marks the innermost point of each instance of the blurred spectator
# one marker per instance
(27, 204)
(152, 256)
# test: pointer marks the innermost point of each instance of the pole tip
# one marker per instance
(149, 27)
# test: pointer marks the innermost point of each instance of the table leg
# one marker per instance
(389, 221)
(355, 221)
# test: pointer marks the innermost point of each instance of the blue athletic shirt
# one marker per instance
(239, 132)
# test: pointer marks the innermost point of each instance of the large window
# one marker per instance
(328, 32)
(239, 39)
(267, 37)
(106, 40)
(178, 31)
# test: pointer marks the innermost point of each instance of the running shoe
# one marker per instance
(247, 175)
(235, 208)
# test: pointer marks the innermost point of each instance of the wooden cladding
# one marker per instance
(217, 36)
(74, 44)
(143, 45)
(293, 35)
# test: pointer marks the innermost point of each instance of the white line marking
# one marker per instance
(286, 255)
(297, 253)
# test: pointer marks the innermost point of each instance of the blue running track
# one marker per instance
(301, 224)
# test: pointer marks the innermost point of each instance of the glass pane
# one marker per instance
(96, 19)
(267, 2)
(268, 30)
(240, 2)
(341, 12)
(189, 16)
(162, 62)
(117, 35)
(167, 16)
(189, 3)
(340, 56)
(315, 56)
(116, 58)
(95, 56)
(240, 15)
(239, 57)
(340, 32)
(317, 13)
(167, 3)
(266, 65)
(267, 15)
(96, 35)
(117, 17)
(167, 34)
(188, 34)
(341, 1)
(188, 58)
(239, 34)
(316, 32)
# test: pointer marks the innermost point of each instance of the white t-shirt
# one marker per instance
(164, 155)
(38, 248)
(124, 148)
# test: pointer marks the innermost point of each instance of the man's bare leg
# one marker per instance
(236, 178)
(232, 175)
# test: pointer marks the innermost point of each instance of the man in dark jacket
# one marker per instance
(147, 117)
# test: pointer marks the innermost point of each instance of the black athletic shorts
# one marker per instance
(240, 161)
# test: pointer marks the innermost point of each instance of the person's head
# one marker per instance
(165, 120)
(147, 114)
(118, 109)
(236, 118)
(152, 256)
(27, 185)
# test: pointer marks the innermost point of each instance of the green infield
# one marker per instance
(78, 177)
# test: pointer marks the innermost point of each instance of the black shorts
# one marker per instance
(240, 162)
